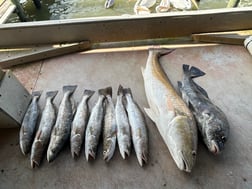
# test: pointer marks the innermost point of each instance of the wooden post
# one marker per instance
(37, 4)
(20, 11)
(233, 3)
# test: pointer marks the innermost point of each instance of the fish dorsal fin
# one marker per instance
(200, 89)
(152, 115)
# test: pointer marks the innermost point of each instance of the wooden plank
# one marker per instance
(43, 54)
(234, 38)
(6, 9)
(7, 14)
(125, 28)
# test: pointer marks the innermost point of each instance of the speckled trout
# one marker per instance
(123, 128)
(109, 127)
(44, 131)
(94, 126)
(138, 128)
(79, 124)
(168, 111)
(29, 123)
(62, 128)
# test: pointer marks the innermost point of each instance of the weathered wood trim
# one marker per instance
(6, 9)
(43, 54)
(233, 38)
(125, 28)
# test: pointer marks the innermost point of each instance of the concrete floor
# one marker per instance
(228, 82)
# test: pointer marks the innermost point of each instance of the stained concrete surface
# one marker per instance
(228, 82)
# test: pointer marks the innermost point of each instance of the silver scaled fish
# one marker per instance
(29, 123)
(123, 128)
(44, 131)
(109, 127)
(94, 126)
(62, 128)
(172, 117)
(211, 121)
(79, 124)
(138, 128)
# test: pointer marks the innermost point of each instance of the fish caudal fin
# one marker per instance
(192, 72)
(69, 88)
(89, 93)
(105, 91)
(203, 91)
(37, 93)
(51, 94)
(120, 90)
(127, 91)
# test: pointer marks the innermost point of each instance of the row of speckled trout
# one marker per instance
(176, 117)
(124, 122)
(143, 6)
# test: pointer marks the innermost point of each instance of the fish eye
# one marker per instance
(207, 113)
(223, 138)
(193, 153)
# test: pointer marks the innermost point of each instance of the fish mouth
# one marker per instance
(185, 167)
(34, 164)
(183, 164)
(214, 148)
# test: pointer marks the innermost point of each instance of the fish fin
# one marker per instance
(105, 91)
(127, 91)
(89, 93)
(69, 88)
(151, 114)
(196, 72)
(51, 94)
(190, 106)
(203, 91)
(120, 90)
(37, 93)
(143, 70)
(192, 72)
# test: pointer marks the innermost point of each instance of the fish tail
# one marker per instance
(120, 90)
(69, 88)
(51, 94)
(106, 91)
(127, 91)
(192, 72)
(89, 93)
(37, 93)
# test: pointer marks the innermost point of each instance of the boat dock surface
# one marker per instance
(228, 81)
